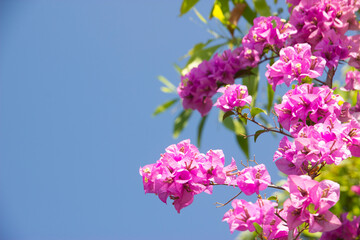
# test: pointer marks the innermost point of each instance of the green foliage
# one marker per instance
(252, 84)
(270, 93)
(262, 7)
(163, 107)
(187, 5)
(258, 133)
(181, 122)
(200, 130)
(238, 127)
(169, 87)
(255, 111)
(258, 228)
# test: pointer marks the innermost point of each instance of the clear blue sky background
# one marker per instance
(78, 85)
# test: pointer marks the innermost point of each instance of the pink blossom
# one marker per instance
(348, 230)
(242, 216)
(235, 95)
(356, 189)
(253, 179)
(352, 80)
(295, 63)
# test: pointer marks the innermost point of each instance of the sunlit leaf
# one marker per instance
(270, 93)
(255, 111)
(166, 90)
(200, 130)
(200, 16)
(167, 83)
(272, 198)
(221, 11)
(165, 106)
(258, 228)
(187, 5)
(181, 122)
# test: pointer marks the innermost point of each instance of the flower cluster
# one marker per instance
(234, 96)
(323, 24)
(310, 202)
(182, 172)
(263, 34)
(295, 63)
(253, 179)
(244, 214)
(307, 105)
(323, 131)
(199, 85)
(349, 230)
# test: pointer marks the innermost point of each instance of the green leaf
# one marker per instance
(252, 84)
(166, 90)
(221, 11)
(198, 54)
(177, 68)
(200, 130)
(187, 5)
(244, 144)
(249, 14)
(272, 198)
(228, 114)
(258, 228)
(181, 122)
(200, 16)
(270, 93)
(165, 106)
(167, 83)
(255, 111)
(241, 132)
(258, 133)
(262, 8)
(202, 53)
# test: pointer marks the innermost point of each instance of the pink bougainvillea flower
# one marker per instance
(235, 95)
(323, 222)
(295, 63)
(253, 179)
(349, 230)
(356, 189)
(242, 216)
(352, 81)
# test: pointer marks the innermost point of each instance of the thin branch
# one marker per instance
(224, 204)
(267, 58)
(266, 128)
(278, 215)
(276, 187)
(301, 232)
(330, 77)
(322, 82)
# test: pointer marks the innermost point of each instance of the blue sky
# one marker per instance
(78, 85)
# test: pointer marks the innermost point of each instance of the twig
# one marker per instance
(319, 81)
(223, 204)
(266, 128)
(276, 187)
(267, 58)
(330, 76)
(278, 215)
